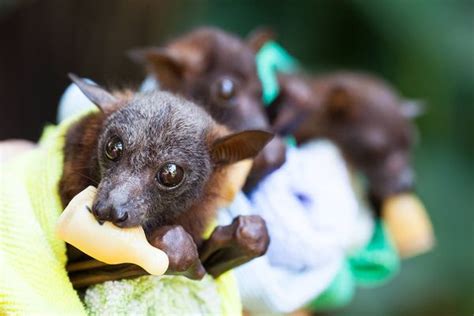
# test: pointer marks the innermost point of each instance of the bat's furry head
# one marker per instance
(363, 115)
(154, 154)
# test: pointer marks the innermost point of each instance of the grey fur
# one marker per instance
(155, 128)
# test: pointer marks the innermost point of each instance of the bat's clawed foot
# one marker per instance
(227, 247)
(235, 244)
(181, 250)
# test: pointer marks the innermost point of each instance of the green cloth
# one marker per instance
(378, 262)
(373, 265)
(32, 275)
(270, 59)
(291, 141)
(151, 295)
(33, 279)
(339, 293)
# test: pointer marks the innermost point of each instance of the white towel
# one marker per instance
(314, 219)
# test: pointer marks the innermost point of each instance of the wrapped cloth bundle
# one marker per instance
(324, 240)
(33, 278)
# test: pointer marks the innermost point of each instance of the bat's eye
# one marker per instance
(114, 148)
(225, 89)
(170, 175)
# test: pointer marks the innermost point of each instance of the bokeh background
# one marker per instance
(424, 47)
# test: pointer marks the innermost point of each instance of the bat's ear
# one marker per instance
(164, 65)
(239, 146)
(96, 94)
(412, 109)
(258, 37)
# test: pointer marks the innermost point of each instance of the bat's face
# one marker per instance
(229, 88)
(364, 116)
(380, 147)
(154, 161)
(366, 119)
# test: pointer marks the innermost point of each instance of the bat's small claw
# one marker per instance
(235, 244)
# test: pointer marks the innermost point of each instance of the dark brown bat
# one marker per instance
(217, 70)
(161, 162)
(362, 114)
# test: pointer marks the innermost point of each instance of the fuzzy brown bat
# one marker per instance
(161, 162)
(362, 114)
(218, 71)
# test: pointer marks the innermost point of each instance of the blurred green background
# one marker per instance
(424, 47)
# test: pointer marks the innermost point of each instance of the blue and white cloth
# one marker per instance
(315, 220)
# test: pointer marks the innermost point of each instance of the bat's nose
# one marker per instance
(116, 215)
(119, 216)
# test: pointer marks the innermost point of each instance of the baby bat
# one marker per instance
(218, 71)
(362, 114)
(161, 162)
